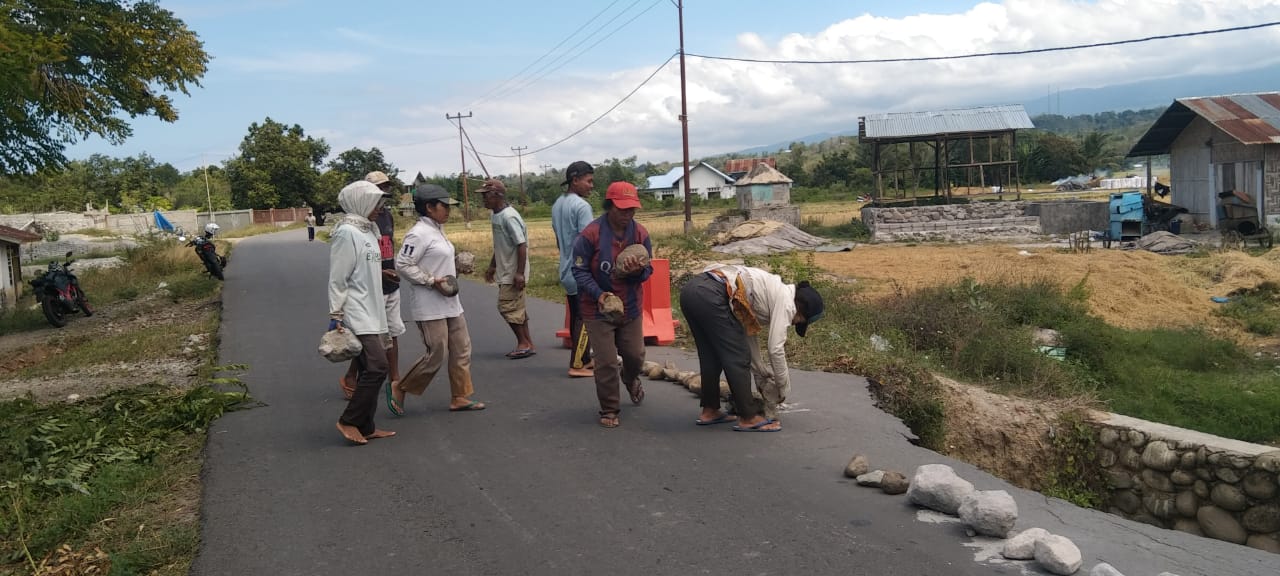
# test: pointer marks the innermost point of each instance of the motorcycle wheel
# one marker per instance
(83, 304)
(53, 313)
(212, 265)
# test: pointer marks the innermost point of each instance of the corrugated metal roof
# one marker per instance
(958, 121)
(1248, 118)
(673, 177)
(17, 236)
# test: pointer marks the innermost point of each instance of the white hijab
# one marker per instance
(358, 199)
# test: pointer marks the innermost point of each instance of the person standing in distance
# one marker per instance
(509, 266)
(570, 215)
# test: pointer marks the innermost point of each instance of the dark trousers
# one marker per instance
(311, 233)
(580, 353)
(611, 341)
(372, 368)
(723, 344)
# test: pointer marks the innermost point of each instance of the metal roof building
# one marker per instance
(1248, 118)
(959, 139)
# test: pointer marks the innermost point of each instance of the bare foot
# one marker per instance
(350, 433)
(581, 373)
(760, 423)
(397, 393)
(380, 434)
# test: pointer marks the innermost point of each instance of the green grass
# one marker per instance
(22, 317)
(162, 341)
(1257, 309)
(854, 230)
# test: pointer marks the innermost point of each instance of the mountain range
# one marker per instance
(1118, 97)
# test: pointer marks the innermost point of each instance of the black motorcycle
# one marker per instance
(59, 293)
(208, 254)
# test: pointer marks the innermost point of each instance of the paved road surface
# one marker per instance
(533, 486)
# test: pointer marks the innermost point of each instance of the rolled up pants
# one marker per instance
(608, 341)
(723, 344)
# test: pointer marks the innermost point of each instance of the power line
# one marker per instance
(544, 55)
(544, 71)
(593, 122)
(985, 54)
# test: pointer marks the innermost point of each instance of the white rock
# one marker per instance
(880, 344)
(1104, 569)
(1023, 545)
(872, 478)
(990, 513)
(1057, 554)
(937, 487)
(73, 397)
(162, 285)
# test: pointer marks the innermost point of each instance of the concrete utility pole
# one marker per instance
(462, 151)
(684, 124)
(519, 150)
(545, 168)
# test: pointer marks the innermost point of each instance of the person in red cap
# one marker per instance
(601, 276)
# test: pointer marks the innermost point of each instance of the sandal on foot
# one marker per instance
(637, 393)
(609, 421)
(394, 406)
(722, 418)
(521, 353)
(471, 406)
(758, 427)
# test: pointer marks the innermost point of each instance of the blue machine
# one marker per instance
(1127, 218)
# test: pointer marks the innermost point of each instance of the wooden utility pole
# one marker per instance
(462, 151)
(684, 125)
(519, 150)
(545, 168)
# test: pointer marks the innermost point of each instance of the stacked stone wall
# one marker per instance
(956, 222)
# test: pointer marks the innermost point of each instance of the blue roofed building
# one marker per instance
(704, 181)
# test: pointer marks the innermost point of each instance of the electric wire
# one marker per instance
(986, 54)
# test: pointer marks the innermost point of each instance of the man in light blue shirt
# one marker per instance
(569, 215)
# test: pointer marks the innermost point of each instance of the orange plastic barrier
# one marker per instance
(659, 325)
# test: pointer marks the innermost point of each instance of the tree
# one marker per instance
(278, 167)
(70, 68)
(615, 170)
(355, 163)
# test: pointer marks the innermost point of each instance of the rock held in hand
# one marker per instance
(613, 308)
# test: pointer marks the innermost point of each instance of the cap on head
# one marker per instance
(377, 178)
(433, 192)
(575, 170)
(810, 303)
(493, 185)
(623, 195)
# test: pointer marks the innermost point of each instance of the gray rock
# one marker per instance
(1126, 500)
(1267, 542)
(1238, 461)
(1145, 518)
(857, 466)
(1182, 478)
(1130, 458)
(1259, 485)
(894, 483)
(1228, 475)
(1137, 439)
(990, 513)
(1269, 462)
(937, 487)
(1187, 503)
(1214, 459)
(1058, 555)
(1229, 497)
(1264, 519)
(1201, 488)
(1205, 474)
(872, 478)
(1221, 525)
(1119, 479)
(1022, 546)
(1159, 456)
(1159, 504)
(1157, 480)
(1108, 437)
(1107, 458)
(1188, 461)
(1188, 526)
(1104, 569)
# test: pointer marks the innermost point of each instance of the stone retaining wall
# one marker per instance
(956, 222)
(1192, 482)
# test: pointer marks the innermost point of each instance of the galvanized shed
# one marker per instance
(959, 139)
(1219, 144)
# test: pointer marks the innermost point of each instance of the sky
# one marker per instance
(385, 73)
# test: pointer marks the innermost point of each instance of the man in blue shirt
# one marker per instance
(569, 216)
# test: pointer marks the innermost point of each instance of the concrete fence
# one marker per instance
(983, 220)
(144, 222)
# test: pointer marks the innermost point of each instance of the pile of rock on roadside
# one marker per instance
(987, 512)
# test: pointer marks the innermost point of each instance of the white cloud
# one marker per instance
(309, 62)
(735, 105)
(376, 40)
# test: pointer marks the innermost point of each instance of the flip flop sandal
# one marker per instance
(610, 421)
(394, 407)
(637, 394)
(472, 406)
(758, 427)
(721, 419)
(521, 354)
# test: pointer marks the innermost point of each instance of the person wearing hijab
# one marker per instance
(356, 303)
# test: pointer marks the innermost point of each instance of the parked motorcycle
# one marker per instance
(207, 252)
(59, 293)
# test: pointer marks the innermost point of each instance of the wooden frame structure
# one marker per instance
(941, 131)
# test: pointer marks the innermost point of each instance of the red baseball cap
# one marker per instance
(623, 195)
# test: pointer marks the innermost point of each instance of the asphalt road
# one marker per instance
(533, 486)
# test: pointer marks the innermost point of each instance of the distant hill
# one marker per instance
(1138, 96)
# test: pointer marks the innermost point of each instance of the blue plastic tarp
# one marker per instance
(162, 222)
